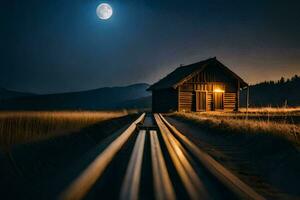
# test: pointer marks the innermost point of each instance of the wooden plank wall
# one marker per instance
(186, 100)
(207, 80)
(229, 101)
(187, 97)
(214, 75)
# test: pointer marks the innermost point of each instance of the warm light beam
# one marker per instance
(218, 90)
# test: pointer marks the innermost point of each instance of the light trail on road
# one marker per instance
(177, 168)
(85, 181)
(224, 175)
(162, 184)
(130, 186)
(191, 181)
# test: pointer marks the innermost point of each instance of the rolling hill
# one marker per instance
(11, 94)
(132, 96)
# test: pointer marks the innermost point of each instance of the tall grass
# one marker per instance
(22, 127)
(272, 110)
(242, 126)
(282, 115)
(263, 111)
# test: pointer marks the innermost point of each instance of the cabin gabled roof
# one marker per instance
(183, 73)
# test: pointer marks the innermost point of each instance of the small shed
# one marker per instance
(203, 86)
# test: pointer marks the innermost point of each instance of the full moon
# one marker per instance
(104, 11)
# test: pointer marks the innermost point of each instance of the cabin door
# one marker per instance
(201, 101)
(218, 100)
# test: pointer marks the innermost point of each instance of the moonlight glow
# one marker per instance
(104, 11)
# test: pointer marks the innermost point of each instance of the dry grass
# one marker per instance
(288, 131)
(272, 110)
(263, 111)
(264, 114)
(22, 127)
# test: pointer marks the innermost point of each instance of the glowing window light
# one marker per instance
(218, 90)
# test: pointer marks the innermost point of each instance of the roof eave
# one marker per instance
(189, 76)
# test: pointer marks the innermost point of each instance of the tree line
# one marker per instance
(283, 92)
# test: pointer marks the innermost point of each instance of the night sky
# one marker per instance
(52, 46)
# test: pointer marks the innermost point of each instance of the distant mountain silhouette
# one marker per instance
(133, 96)
(271, 93)
(11, 94)
(144, 102)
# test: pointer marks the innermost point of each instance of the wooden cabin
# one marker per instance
(204, 86)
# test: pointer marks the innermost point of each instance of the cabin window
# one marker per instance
(218, 87)
(218, 96)
(218, 100)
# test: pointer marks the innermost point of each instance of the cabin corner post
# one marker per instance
(237, 99)
(247, 101)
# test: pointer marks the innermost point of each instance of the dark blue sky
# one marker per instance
(61, 45)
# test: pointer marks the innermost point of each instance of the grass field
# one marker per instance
(23, 127)
(264, 114)
(272, 110)
(237, 123)
(261, 152)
